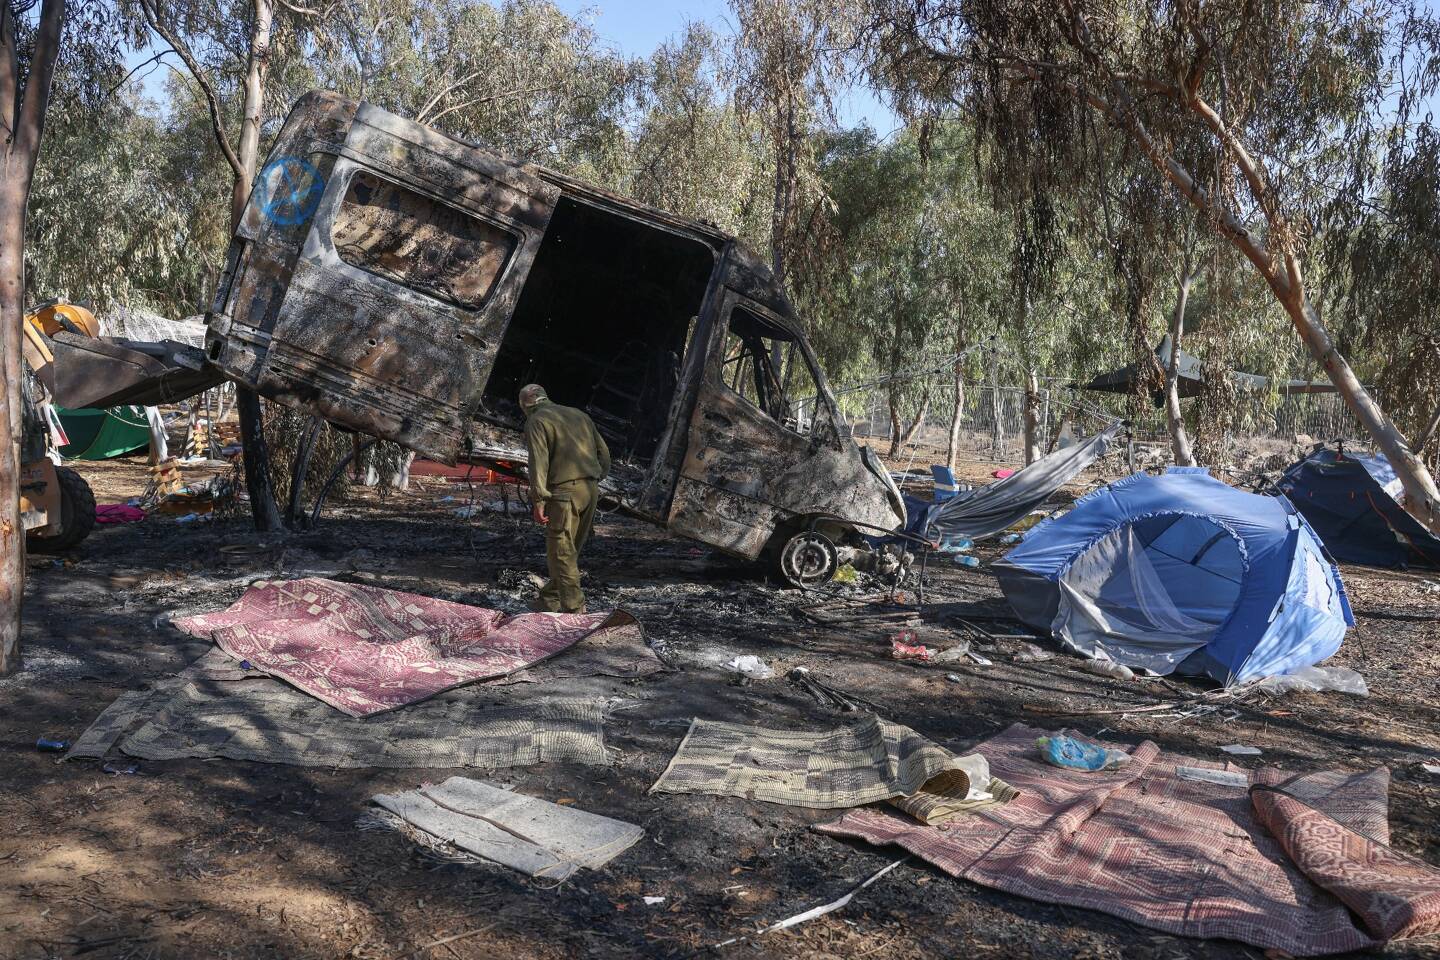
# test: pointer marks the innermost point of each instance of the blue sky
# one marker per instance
(636, 27)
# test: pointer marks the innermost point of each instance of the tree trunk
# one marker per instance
(247, 402)
(952, 453)
(919, 420)
(997, 411)
(22, 113)
(1179, 439)
(12, 531)
(895, 428)
(1032, 417)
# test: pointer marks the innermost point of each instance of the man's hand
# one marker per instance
(539, 513)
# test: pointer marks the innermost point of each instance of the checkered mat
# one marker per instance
(846, 766)
(268, 722)
(364, 649)
(1274, 862)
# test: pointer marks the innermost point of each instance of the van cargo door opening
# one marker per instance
(603, 323)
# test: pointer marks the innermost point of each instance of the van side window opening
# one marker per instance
(766, 367)
(420, 243)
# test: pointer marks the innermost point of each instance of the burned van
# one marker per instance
(405, 284)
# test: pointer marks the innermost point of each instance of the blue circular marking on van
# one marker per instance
(292, 189)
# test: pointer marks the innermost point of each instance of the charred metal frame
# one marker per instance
(307, 327)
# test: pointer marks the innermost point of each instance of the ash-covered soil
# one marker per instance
(194, 859)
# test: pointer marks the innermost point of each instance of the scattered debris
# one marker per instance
(750, 667)
(1107, 668)
(826, 695)
(815, 912)
(1226, 778)
(1240, 750)
(1030, 653)
(901, 650)
(1316, 679)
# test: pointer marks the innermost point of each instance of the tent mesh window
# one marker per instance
(1157, 588)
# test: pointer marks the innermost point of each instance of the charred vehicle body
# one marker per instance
(404, 284)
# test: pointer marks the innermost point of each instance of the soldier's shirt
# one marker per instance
(564, 445)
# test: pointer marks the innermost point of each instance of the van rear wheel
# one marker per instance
(807, 559)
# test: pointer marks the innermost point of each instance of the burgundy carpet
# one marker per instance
(365, 650)
(1156, 847)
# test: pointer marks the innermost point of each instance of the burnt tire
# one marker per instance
(807, 559)
(77, 514)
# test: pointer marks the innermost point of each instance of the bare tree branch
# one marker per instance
(491, 99)
(212, 100)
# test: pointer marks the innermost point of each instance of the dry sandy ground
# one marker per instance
(237, 860)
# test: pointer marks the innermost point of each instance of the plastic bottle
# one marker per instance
(966, 560)
(956, 544)
(1063, 751)
(51, 746)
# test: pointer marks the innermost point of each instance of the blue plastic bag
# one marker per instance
(1063, 751)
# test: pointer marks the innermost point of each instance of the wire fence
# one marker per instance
(992, 419)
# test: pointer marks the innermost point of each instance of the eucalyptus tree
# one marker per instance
(1276, 91)
(688, 150)
(27, 65)
(520, 76)
(789, 59)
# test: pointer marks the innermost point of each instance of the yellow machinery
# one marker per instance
(57, 507)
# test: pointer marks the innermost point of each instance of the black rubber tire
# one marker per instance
(77, 514)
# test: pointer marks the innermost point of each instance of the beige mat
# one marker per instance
(869, 761)
(528, 834)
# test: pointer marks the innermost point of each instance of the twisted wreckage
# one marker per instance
(404, 284)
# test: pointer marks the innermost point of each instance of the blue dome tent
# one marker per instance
(1351, 503)
(1181, 572)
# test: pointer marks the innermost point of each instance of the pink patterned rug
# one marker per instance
(1264, 859)
(365, 650)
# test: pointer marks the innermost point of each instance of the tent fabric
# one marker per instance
(1352, 503)
(100, 434)
(1190, 380)
(1181, 572)
(990, 509)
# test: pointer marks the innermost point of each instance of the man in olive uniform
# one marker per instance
(568, 457)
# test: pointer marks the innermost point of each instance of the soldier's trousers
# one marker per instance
(571, 512)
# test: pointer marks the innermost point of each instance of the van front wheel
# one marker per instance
(807, 559)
